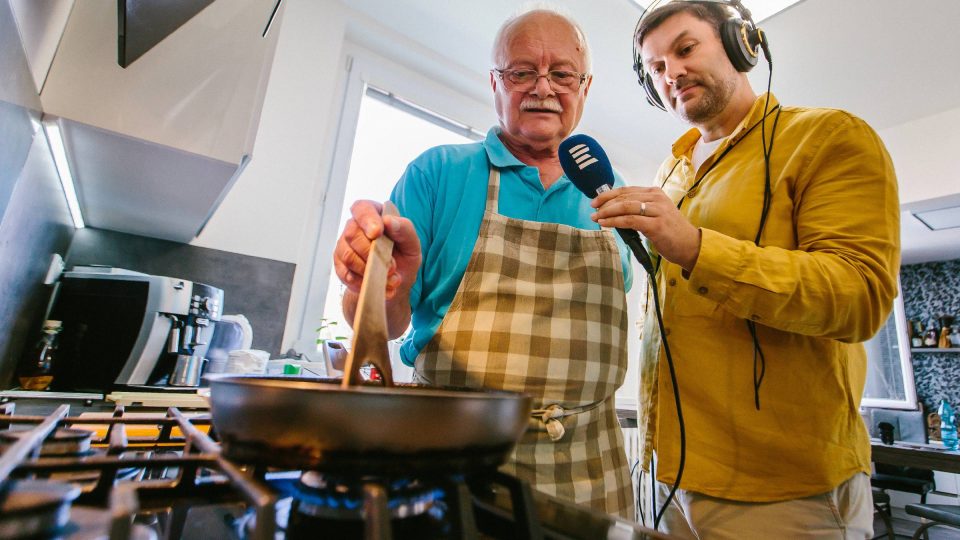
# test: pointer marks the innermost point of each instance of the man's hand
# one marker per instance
(353, 248)
(350, 261)
(649, 211)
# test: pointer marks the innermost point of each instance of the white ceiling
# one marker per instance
(874, 58)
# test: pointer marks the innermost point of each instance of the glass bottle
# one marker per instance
(948, 426)
(944, 341)
(36, 368)
(916, 339)
(930, 338)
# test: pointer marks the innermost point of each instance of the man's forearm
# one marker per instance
(398, 316)
(398, 311)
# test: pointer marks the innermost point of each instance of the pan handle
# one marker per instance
(370, 321)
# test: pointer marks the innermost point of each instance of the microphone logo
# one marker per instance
(581, 155)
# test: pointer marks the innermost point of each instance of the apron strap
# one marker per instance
(552, 415)
(493, 191)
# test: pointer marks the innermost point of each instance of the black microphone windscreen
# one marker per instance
(586, 164)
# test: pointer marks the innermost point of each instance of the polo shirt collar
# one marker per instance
(684, 144)
(497, 153)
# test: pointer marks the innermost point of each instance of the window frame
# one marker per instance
(910, 401)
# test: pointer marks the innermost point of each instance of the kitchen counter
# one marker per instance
(42, 403)
(918, 455)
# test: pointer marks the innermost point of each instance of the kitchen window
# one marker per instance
(391, 131)
(889, 382)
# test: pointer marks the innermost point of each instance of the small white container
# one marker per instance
(247, 361)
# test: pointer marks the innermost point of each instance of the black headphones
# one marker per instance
(740, 37)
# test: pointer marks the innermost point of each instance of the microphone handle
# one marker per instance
(632, 239)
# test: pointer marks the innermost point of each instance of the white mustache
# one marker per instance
(548, 104)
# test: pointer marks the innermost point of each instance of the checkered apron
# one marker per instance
(541, 310)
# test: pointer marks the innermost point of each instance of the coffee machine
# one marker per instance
(123, 328)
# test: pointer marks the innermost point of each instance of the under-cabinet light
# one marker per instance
(59, 152)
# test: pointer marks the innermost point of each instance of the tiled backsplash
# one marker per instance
(929, 291)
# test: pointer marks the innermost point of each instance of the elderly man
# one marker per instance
(778, 228)
(507, 282)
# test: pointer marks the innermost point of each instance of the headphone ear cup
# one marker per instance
(643, 78)
(740, 42)
(653, 97)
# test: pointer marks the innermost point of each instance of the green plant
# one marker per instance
(327, 325)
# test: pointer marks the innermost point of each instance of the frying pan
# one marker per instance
(332, 423)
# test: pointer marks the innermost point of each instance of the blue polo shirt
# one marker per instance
(443, 192)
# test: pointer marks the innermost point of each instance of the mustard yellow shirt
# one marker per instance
(821, 282)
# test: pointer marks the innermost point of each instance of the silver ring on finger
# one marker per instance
(643, 209)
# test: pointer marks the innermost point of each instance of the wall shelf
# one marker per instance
(935, 350)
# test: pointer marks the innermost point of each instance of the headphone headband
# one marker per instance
(736, 5)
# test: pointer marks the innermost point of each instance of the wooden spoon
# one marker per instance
(370, 322)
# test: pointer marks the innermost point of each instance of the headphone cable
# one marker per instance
(658, 515)
(759, 360)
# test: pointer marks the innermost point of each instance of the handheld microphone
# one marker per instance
(587, 166)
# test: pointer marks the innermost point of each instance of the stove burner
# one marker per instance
(62, 442)
(35, 508)
(331, 497)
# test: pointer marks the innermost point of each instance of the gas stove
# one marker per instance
(73, 477)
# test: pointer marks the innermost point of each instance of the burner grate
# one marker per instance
(182, 469)
(203, 476)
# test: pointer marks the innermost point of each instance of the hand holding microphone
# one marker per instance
(630, 209)
(650, 211)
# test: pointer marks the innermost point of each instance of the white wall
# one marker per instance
(921, 150)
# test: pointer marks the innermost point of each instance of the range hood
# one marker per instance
(154, 147)
(141, 24)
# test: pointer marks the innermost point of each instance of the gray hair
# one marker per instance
(539, 7)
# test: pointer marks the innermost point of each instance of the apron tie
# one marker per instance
(551, 417)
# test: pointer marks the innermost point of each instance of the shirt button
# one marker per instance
(666, 332)
(755, 317)
(672, 282)
(703, 290)
(691, 194)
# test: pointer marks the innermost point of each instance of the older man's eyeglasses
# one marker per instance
(524, 80)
